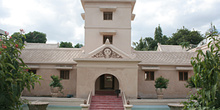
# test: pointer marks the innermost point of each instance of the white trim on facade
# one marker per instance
(33, 66)
(184, 68)
(150, 68)
(107, 32)
(107, 8)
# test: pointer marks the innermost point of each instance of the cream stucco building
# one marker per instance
(107, 62)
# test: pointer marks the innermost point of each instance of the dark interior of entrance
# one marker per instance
(106, 85)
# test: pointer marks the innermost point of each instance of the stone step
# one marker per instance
(106, 100)
(106, 103)
(105, 93)
(106, 108)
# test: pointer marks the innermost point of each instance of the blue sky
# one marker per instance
(61, 19)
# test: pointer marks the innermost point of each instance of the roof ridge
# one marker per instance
(76, 49)
(162, 52)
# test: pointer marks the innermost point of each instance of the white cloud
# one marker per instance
(79, 32)
(61, 19)
(173, 15)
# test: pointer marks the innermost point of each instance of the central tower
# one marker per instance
(107, 63)
(108, 19)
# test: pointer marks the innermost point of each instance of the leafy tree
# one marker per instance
(185, 35)
(36, 37)
(145, 44)
(18, 35)
(164, 40)
(151, 43)
(14, 76)
(66, 45)
(206, 67)
(212, 31)
(159, 37)
(141, 45)
(158, 34)
(185, 45)
(78, 45)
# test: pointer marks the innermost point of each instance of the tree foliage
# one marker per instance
(78, 45)
(141, 45)
(149, 43)
(185, 35)
(158, 34)
(14, 76)
(66, 45)
(164, 40)
(36, 37)
(206, 66)
(159, 37)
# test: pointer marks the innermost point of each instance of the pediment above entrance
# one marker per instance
(108, 51)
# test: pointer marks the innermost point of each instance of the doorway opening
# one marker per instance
(106, 85)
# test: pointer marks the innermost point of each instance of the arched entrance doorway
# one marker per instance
(106, 84)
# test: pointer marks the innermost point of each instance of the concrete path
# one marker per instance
(155, 101)
(57, 101)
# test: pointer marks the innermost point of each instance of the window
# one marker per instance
(64, 74)
(183, 76)
(109, 37)
(34, 71)
(149, 75)
(107, 15)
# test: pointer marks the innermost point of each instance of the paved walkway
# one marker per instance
(78, 101)
(155, 101)
(57, 101)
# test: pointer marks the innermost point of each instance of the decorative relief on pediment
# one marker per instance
(107, 53)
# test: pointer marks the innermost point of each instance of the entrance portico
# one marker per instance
(91, 71)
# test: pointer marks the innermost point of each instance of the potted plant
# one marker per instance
(55, 85)
(160, 84)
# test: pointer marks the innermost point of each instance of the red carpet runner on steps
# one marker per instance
(106, 103)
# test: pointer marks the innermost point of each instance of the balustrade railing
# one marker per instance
(126, 102)
(86, 105)
(89, 99)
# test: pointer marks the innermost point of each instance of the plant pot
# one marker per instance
(38, 105)
(159, 93)
(54, 91)
(176, 106)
